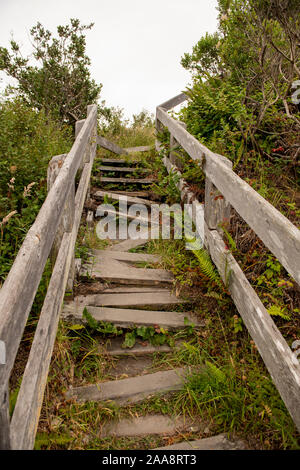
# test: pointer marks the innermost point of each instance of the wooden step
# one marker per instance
(126, 215)
(141, 348)
(123, 169)
(125, 256)
(155, 299)
(129, 244)
(149, 425)
(117, 197)
(220, 442)
(115, 161)
(130, 318)
(112, 270)
(133, 389)
(106, 179)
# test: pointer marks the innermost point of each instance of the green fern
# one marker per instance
(216, 373)
(207, 267)
(276, 310)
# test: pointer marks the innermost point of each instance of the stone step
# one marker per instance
(116, 197)
(123, 169)
(220, 442)
(133, 389)
(150, 424)
(115, 271)
(107, 179)
(130, 318)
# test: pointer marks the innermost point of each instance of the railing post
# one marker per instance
(159, 128)
(173, 144)
(5, 443)
(216, 208)
(67, 217)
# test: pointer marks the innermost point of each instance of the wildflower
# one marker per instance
(7, 217)
(27, 189)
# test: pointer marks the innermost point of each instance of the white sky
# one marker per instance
(135, 46)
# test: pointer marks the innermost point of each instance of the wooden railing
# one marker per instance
(278, 234)
(53, 232)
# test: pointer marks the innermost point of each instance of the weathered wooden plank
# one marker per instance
(117, 197)
(122, 169)
(18, 291)
(127, 245)
(142, 148)
(125, 256)
(175, 101)
(118, 161)
(30, 398)
(275, 230)
(106, 179)
(282, 364)
(108, 145)
(128, 318)
(116, 271)
(67, 217)
(133, 389)
(158, 298)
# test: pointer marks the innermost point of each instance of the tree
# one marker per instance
(58, 79)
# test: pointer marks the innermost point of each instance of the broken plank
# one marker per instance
(129, 244)
(116, 271)
(146, 299)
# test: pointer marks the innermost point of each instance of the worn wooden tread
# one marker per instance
(115, 161)
(133, 389)
(125, 256)
(129, 244)
(116, 271)
(123, 169)
(150, 424)
(126, 215)
(141, 148)
(220, 442)
(118, 197)
(107, 179)
(154, 299)
(128, 318)
(143, 348)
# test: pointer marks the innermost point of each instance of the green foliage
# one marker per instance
(208, 268)
(105, 328)
(28, 140)
(249, 67)
(278, 311)
(155, 335)
(59, 81)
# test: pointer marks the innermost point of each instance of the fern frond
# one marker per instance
(278, 311)
(215, 372)
(207, 266)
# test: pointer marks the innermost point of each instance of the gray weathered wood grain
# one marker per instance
(282, 364)
(18, 291)
(108, 145)
(30, 398)
(276, 231)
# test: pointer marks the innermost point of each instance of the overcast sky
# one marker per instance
(135, 46)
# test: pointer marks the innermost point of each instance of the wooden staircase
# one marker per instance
(132, 297)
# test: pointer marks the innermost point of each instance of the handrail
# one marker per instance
(275, 230)
(19, 289)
